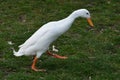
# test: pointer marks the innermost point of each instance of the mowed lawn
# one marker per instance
(94, 54)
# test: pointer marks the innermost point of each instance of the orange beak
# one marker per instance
(90, 22)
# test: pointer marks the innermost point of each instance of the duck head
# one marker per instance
(84, 13)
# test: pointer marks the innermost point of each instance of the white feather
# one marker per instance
(39, 42)
(54, 49)
(16, 53)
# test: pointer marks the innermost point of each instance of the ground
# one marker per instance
(94, 54)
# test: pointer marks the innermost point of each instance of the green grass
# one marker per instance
(93, 54)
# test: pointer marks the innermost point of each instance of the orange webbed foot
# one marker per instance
(56, 55)
(33, 66)
(60, 57)
(35, 69)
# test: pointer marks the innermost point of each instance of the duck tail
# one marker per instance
(17, 54)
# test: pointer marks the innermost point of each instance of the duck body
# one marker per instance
(39, 42)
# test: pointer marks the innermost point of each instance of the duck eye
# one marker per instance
(87, 13)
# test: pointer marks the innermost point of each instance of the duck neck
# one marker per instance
(71, 18)
(74, 15)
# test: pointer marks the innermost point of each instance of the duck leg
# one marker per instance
(33, 65)
(56, 55)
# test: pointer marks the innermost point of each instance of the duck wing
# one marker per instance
(37, 35)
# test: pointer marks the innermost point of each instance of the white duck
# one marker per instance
(39, 42)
